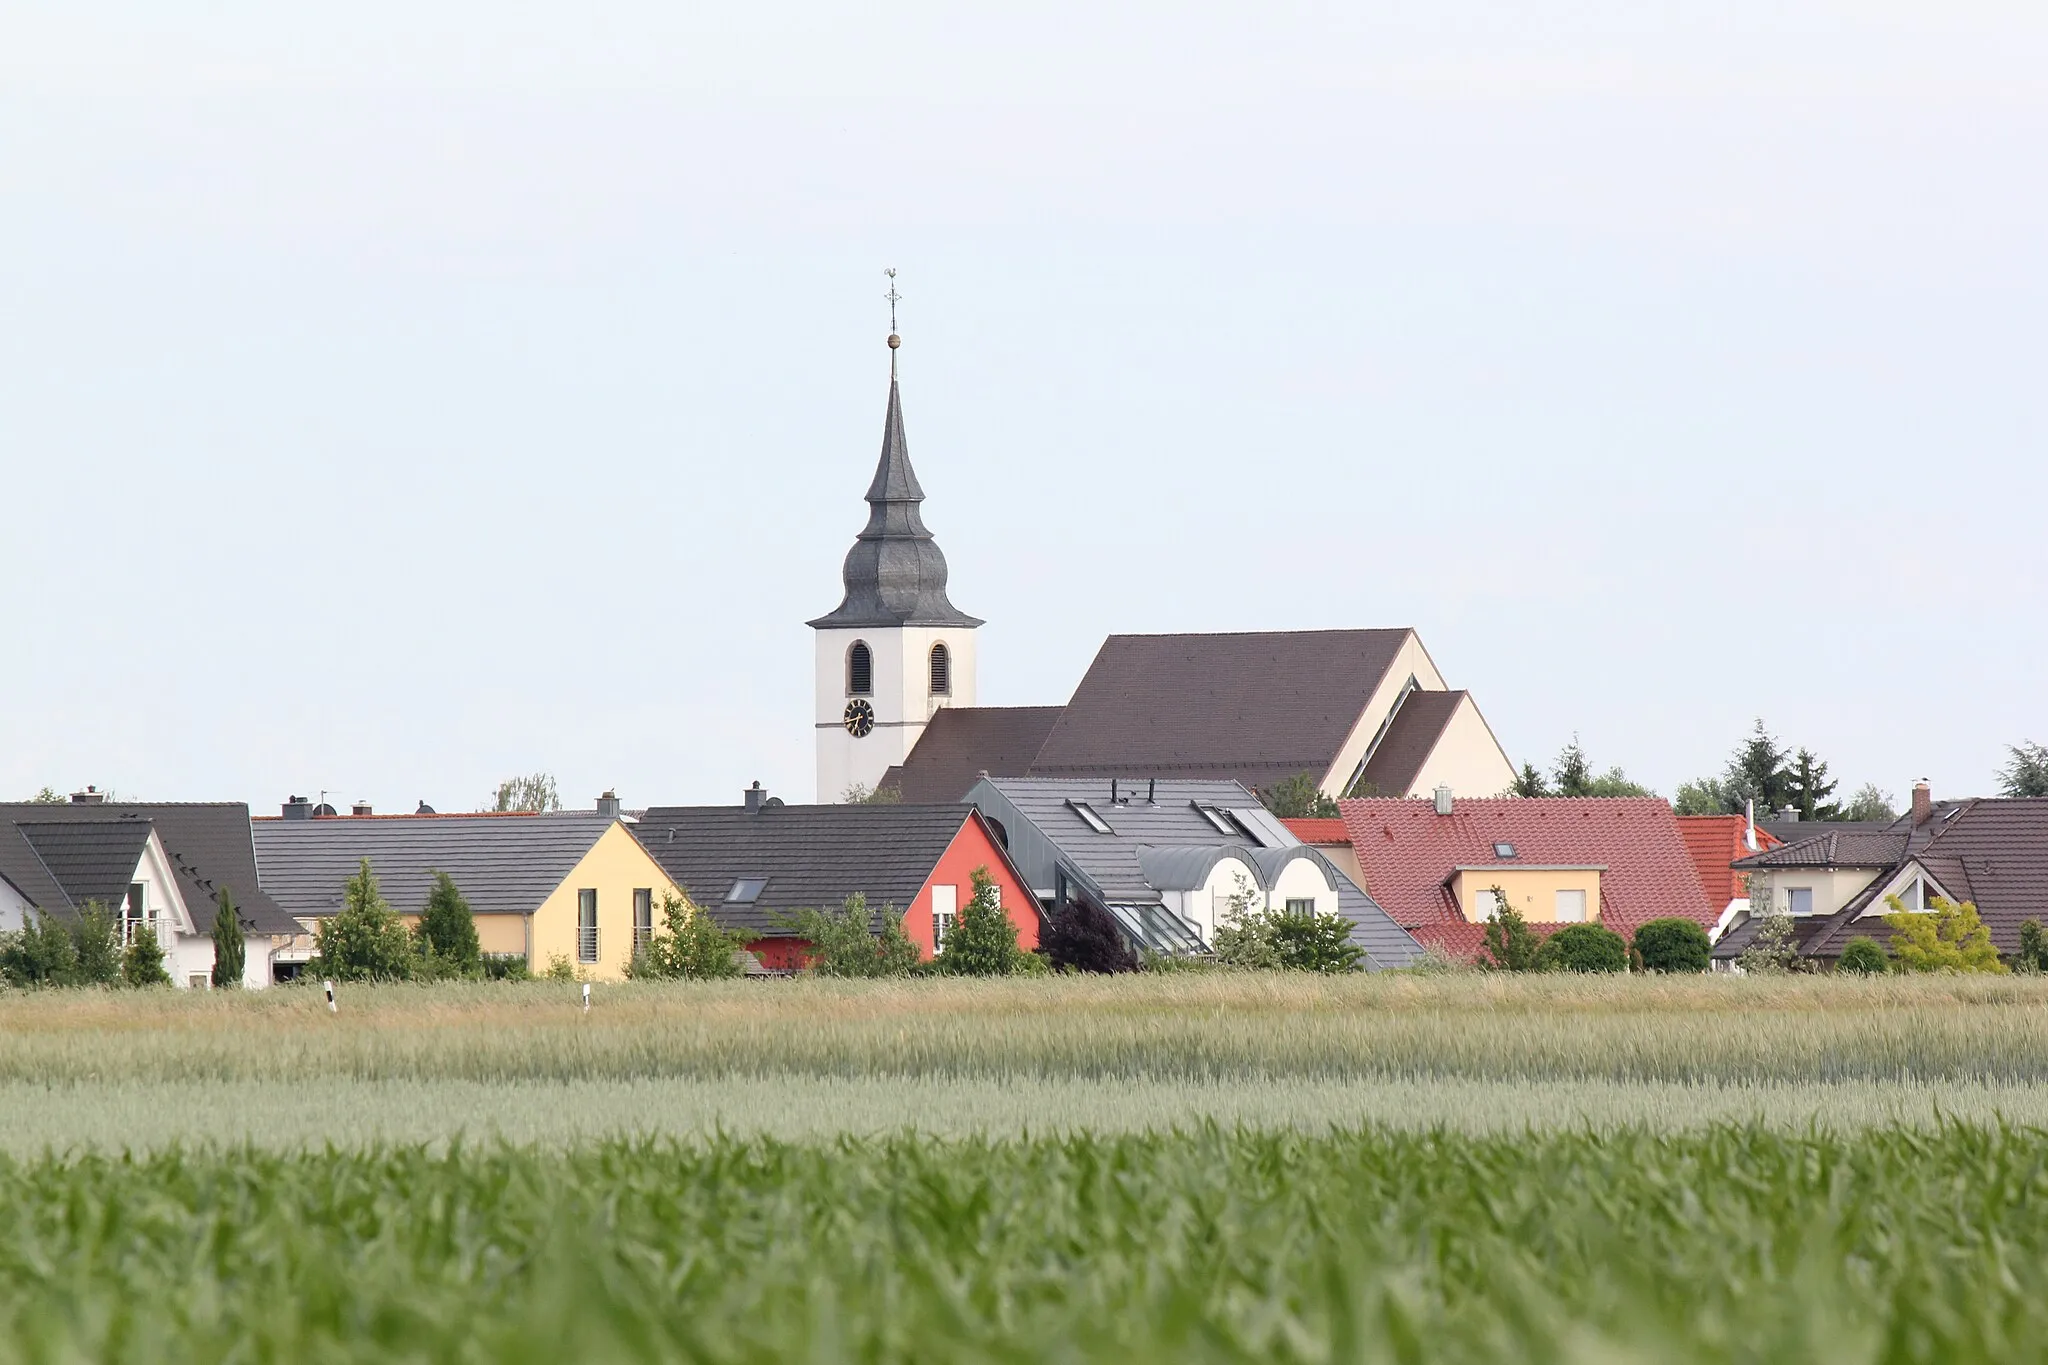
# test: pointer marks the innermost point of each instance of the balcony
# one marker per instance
(586, 943)
(643, 936)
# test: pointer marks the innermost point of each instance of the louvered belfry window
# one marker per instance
(860, 670)
(942, 671)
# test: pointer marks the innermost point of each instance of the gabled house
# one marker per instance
(1359, 711)
(157, 864)
(573, 886)
(1717, 843)
(1992, 852)
(1442, 867)
(1167, 857)
(752, 866)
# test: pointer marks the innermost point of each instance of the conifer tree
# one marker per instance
(230, 954)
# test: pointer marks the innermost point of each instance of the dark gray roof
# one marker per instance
(963, 742)
(1853, 848)
(1254, 707)
(93, 860)
(1794, 831)
(208, 843)
(503, 864)
(894, 574)
(812, 857)
(1419, 721)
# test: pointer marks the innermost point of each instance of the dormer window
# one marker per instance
(942, 671)
(860, 670)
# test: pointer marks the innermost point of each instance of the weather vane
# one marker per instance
(894, 341)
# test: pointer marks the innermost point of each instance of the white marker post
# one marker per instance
(332, 1008)
(586, 997)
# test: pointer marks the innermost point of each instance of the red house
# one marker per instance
(753, 866)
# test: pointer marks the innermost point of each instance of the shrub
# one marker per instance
(844, 942)
(1310, 942)
(1864, 956)
(1244, 933)
(1583, 948)
(446, 936)
(366, 941)
(230, 953)
(1153, 960)
(505, 967)
(40, 953)
(983, 942)
(1949, 938)
(1673, 945)
(96, 947)
(142, 964)
(1083, 938)
(2033, 946)
(692, 946)
(1511, 945)
(560, 968)
(1294, 797)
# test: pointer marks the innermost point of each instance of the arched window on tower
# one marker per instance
(942, 671)
(860, 670)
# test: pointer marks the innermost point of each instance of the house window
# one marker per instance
(942, 671)
(135, 913)
(586, 924)
(1799, 899)
(1301, 905)
(746, 891)
(1571, 907)
(1218, 821)
(643, 919)
(199, 981)
(1089, 817)
(1486, 904)
(1503, 850)
(945, 913)
(860, 670)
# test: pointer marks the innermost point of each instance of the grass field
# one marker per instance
(1184, 1168)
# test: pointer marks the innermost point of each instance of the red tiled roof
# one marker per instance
(1715, 841)
(1462, 941)
(1311, 830)
(1408, 853)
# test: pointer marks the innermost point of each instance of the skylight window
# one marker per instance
(1088, 815)
(1503, 850)
(746, 891)
(1219, 820)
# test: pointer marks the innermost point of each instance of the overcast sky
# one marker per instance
(402, 396)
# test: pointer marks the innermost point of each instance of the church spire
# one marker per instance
(895, 574)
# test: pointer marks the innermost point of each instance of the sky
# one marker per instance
(396, 397)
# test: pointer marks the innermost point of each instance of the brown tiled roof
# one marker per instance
(1418, 725)
(1257, 707)
(961, 743)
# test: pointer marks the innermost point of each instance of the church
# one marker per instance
(1358, 712)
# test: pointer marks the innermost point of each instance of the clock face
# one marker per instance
(860, 718)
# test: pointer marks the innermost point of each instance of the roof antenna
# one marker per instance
(894, 341)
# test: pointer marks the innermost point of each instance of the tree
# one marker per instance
(1298, 797)
(983, 942)
(1863, 956)
(1510, 943)
(692, 947)
(1572, 774)
(365, 941)
(96, 944)
(1870, 804)
(230, 954)
(40, 953)
(1705, 796)
(446, 937)
(2026, 774)
(1771, 949)
(2034, 946)
(534, 792)
(1083, 938)
(1948, 937)
(1583, 948)
(1244, 934)
(861, 794)
(1308, 941)
(1808, 788)
(1756, 772)
(844, 942)
(1528, 783)
(142, 963)
(1672, 945)
(48, 796)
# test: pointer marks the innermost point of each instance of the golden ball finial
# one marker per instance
(894, 341)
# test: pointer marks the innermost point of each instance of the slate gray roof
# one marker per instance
(1418, 723)
(812, 857)
(1253, 707)
(1852, 848)
(208, 843)
(962, 742)
(894, 574)
(93, 860)
(503, 864)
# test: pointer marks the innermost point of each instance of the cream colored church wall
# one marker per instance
(1412, 660)
(1467, 759)
(901, 697)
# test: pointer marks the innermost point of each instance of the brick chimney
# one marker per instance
(1923, 803)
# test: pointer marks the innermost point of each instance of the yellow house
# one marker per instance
(1543, 894)
(571, 887)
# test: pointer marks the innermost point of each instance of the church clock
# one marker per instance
(860, 718)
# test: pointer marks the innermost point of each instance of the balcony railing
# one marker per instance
(130, 927)
(586, 943)
(643, 935)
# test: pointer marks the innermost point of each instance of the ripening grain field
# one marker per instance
(1184, 1168)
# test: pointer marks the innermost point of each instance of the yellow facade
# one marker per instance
(615, 867)
(1531, 890)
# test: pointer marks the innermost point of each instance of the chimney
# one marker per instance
(360, 808)
(756, 798)
(1923, 803)
(91, 796)
(298, 808)
(1443, 799)
(1749, 830)
(608, 804)
(1790, 815)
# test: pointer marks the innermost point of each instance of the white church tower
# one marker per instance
(896, 650)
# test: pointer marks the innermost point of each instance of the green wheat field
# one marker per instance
(1179, 1168)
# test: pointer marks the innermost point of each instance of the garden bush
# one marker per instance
(1583, 948)
(1864, 956)
(1673, 945)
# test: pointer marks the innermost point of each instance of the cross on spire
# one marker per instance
(894, 340)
